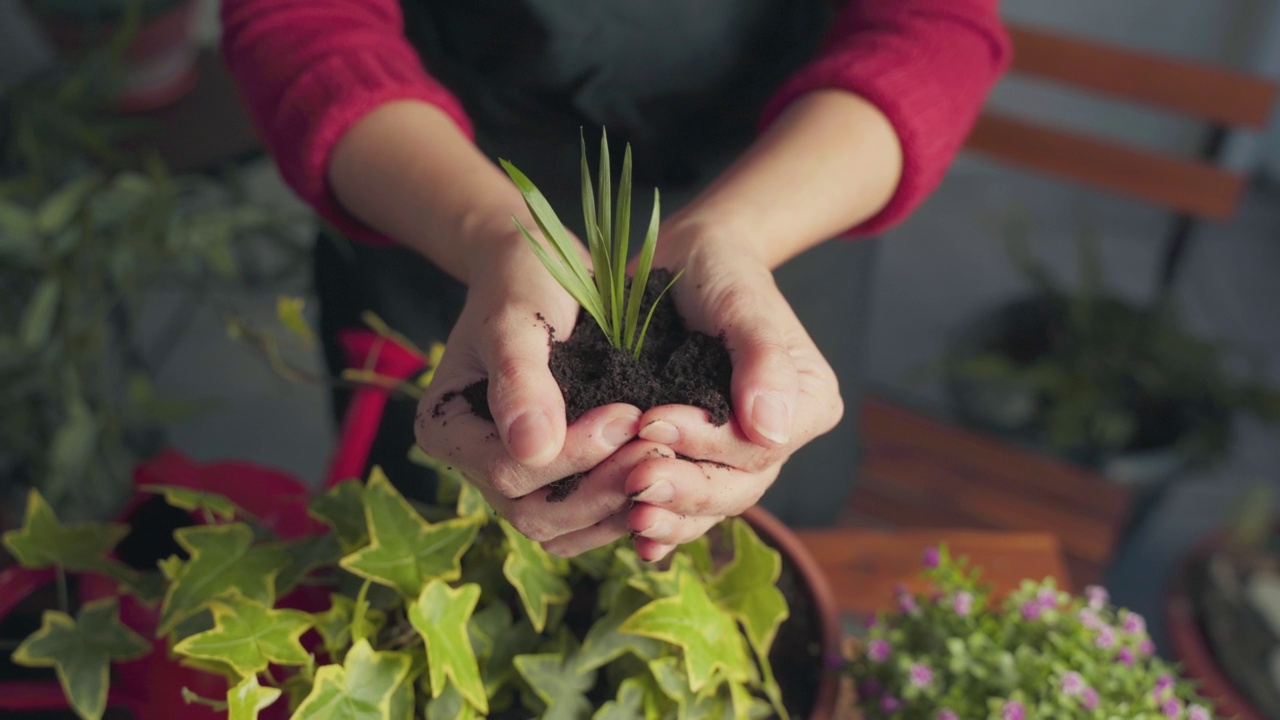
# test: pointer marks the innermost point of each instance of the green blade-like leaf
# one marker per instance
(604, 211)
(708, 636)
(604, 201)
(583, 293)
(197, 500)
(223, 558)
(441, 616)
(644, 329)
(405, 551)
(248, 636)
(40, 313)
(537, 576)
(598, 245)
(247, 698)
(622, 236)
(81, 651)
(641, 278)
(341, 507)
(365, 687)
(549, 223)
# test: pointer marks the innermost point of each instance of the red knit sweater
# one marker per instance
(309, 69)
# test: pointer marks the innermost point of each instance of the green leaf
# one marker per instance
(40, 314)
(306, 554)
(44, 541)
(81, 651)
(450, 706)
(452, 487)
(604, 643)
(596, 244)
(365, 687)
(690, 620)
(334, 624)
(675, 685)
(222, 559)
(622, 231)
(58, 210)
(536, 575)
(289, 310)
(747, 588)
(341, 507)
(249, 636)
(558, 683)
(441, 616)
(247, 698)
(197, 500)
(18, 239)
(629, 703)
(406, 552)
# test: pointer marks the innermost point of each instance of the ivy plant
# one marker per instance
(437, 610)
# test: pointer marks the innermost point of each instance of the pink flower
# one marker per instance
(932, 557)
(962, 603)
(879, 650)
(1164, 682)
(889, 704)
(906, 601)
(1134, 624)
(1089, 698)
(1047, 597)
(1198, 712)
(1126, 657)
(946, 714)
(1090, 619)
(1013, 710)
(1172, 708)
(1098, 597)
(1146, 647)
(1106, 638)
(1073, 683)
(1031, 610)
(920, 675)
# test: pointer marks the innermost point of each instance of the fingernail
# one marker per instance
(659, 492)
(658, 530)
(619, 430)
(661, 431)
(529, 436)
(771, 417)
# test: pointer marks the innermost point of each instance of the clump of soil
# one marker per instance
(676, 366)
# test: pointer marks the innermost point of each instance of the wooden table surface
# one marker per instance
(863, 566)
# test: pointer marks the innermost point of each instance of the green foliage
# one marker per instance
(248, 636)
(1108, 363)
(88, 233)
(953, 651)
(603, 295)
(81, 651)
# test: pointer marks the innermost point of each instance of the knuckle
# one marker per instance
(506, 479)
(529, 523)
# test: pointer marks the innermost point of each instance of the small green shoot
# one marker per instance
(603, 295)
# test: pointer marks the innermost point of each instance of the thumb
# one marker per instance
(765, 382)
(524, 398)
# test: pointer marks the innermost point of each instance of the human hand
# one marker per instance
(784, 394)
(503, 335)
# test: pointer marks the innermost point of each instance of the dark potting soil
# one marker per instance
(676, 366)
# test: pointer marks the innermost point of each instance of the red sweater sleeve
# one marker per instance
(309, 69)
(927, 65)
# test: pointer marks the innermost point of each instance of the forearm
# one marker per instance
(407, 171)
(830, 161)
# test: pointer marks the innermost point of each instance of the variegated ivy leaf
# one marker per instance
(334, 624)
(497, 638)
(747, 587)
(629, 703)
(368, 685)
(690, 620)
(289, 310)
(44, 541)
(557, 682)
(81, 651)
(197, 501)
(604, 643)
(341, 507)
(248, 698)
(537, 576)
(249, 636)
(451, 706)
(405, 551)
(665, 583)
(441, 616)
(223, 558)
(691, 704)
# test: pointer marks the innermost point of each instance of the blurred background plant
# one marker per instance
(91, 224)
(1101, 379)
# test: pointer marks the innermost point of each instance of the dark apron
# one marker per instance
(684, 83)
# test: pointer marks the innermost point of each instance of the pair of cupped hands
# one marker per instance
(667, 475)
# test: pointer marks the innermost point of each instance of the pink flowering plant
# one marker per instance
(952, 654)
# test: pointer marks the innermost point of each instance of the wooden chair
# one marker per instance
(919, 471)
